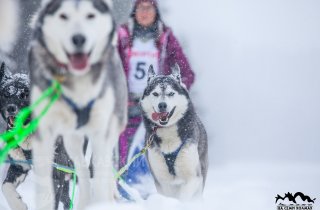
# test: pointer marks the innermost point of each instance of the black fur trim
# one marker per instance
(101, 6)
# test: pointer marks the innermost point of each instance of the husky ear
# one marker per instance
(151, 73)
(176, 72)
(2, 69)
(45, 2)
(109, 3)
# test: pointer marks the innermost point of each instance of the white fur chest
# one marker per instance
(170, 140)
(84, 89)
(186, 164)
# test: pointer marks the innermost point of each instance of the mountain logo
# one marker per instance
(297, 201)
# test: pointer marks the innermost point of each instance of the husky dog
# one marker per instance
(14, 95)
(178, 156)
(74, 43)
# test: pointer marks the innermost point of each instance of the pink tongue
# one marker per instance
(79, 61)
(156, 116)
(11, 121)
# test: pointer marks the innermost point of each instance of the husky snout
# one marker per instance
(79, 60)
(78, 41)
(162, 107)
(10, 113)
(12, 109)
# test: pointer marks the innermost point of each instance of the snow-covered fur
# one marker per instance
(178, 156)
(73, 43)
(14, 93)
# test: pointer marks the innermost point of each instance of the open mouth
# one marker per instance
(10, 122)
(79, 61)
(163, 117)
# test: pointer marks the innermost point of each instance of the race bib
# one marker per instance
(142, 55)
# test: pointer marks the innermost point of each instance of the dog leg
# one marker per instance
(15, 176)
(65, 199)
(58, 185)
(74, 147)
(43, 159)
(104, 184)
(192, 189)
(103, 171)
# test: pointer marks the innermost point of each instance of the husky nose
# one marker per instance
(162, 107)
(78, 40)
(12, 109)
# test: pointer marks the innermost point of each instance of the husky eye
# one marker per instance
(63, 16)
(24, 95)
(171, 94)
(90, 16)
(155, 94)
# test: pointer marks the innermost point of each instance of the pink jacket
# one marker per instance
(169, 48)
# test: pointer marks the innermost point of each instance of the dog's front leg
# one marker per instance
(74, 147)
(192, 189)
(15, 176)
(103, 171)
(43, 149)
(104, 183)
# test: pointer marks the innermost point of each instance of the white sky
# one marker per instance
(258, 75)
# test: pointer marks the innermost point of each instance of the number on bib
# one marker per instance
(140, 70)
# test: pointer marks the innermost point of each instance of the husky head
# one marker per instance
(75, 32)
(165, 99)
(14, 94)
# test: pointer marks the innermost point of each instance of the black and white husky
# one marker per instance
(178, 156)
(74, 42)
(14, 95)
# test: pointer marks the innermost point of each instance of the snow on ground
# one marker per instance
(231, 186)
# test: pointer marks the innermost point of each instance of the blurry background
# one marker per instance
(257, 89)
(258, 68)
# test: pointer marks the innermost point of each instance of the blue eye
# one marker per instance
(155, 94)
(171, 94)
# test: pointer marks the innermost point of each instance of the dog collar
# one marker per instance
(63, 68)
